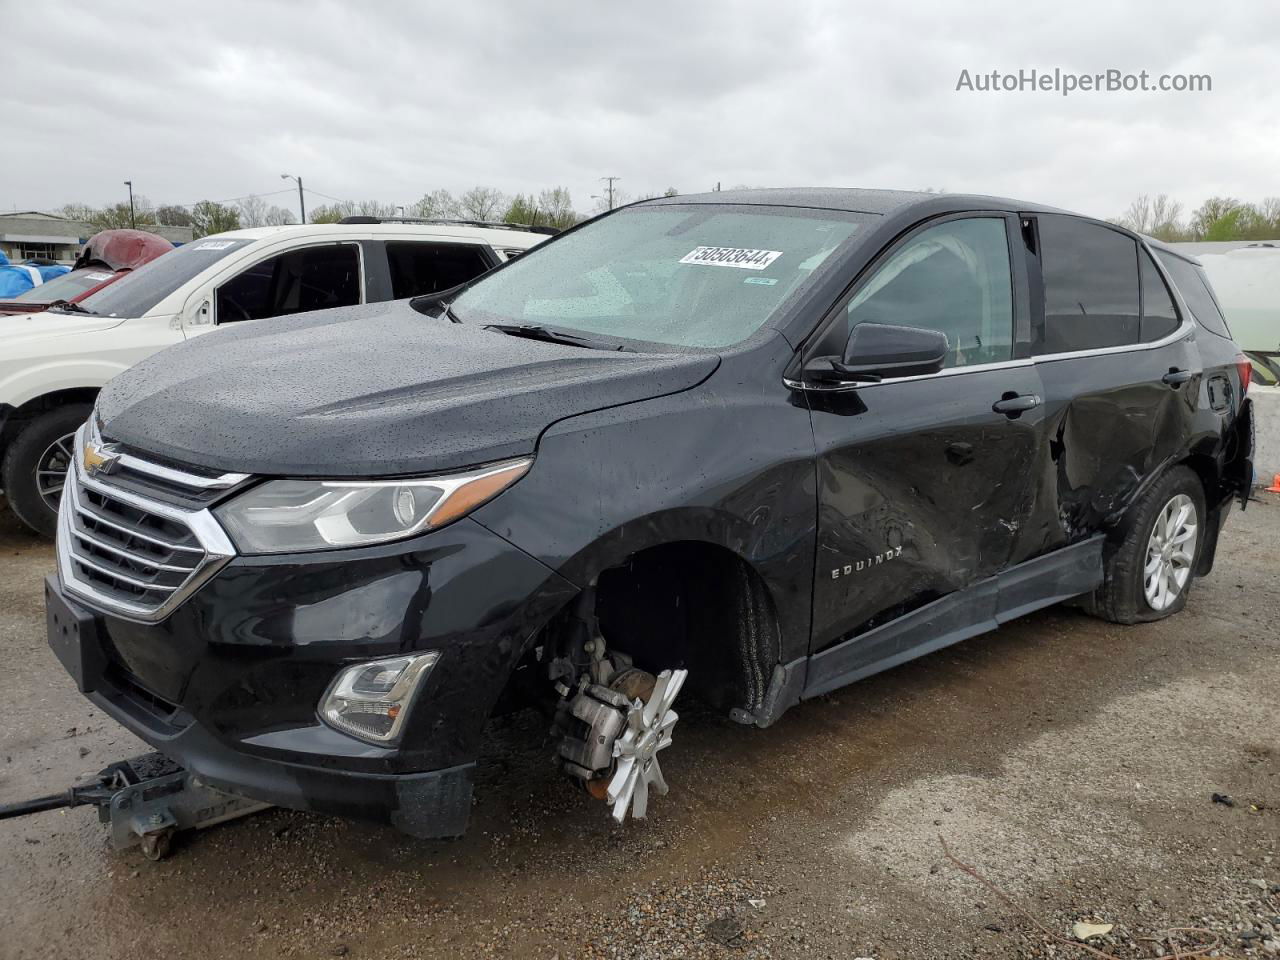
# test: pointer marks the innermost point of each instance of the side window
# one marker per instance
(418, 267)
(312, 278)
(1191, 283)
(1159, 315)
(1090, 286)
(953, 277)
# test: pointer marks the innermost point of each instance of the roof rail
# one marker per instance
(444, 222)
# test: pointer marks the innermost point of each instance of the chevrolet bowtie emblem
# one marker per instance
(97, 459)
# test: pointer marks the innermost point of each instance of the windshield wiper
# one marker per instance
(533, 331)
(66, 306)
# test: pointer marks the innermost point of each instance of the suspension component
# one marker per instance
(620, 727)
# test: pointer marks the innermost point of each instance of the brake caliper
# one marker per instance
(612, 748)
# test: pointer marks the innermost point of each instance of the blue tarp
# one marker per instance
(15, 280)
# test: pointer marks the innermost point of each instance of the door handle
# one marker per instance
(1176, 378)
(1012, 406)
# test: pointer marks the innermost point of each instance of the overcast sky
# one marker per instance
(390, 100)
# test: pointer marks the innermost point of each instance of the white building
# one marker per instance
(31, 234)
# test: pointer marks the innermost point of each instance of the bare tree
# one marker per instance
(555, 208)
(79, 211)
(1269, 213)
(1138, 217)
(253, 212)
(436, 205)
(482, 203)
(172, 216)
(279, 217)
(331, 213)
(375, 208)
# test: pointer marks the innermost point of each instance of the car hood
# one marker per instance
(380, 390)
(24, 329)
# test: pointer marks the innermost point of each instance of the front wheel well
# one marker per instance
(695, 605)
(20, 416)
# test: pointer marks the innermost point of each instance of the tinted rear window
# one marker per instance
(137, 292)
(1090, 286)
(1194, 287)
(419, 268)
(1159, 315)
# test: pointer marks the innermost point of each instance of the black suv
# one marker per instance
(774, 441)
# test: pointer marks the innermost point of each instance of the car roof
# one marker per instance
(494, 237)
(857, 200)
(1177, 250)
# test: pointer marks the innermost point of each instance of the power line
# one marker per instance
(327, 197)
(229, 199)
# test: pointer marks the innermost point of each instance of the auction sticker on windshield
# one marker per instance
(731, 257)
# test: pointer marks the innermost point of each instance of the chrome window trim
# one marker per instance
(1185, 330)
(218, 550)
(945, 372)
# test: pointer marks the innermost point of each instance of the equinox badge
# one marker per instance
(860, 565)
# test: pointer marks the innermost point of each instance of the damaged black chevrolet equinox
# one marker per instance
(768, 441)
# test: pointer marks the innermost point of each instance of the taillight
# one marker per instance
(1245, 367)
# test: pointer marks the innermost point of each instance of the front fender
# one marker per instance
(33, 382)
(733, 471)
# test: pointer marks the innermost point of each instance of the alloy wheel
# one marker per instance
(1171, 552)
(51, 470)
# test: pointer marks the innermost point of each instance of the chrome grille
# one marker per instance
(130, 555)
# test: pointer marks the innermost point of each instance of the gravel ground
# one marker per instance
(1071, 763)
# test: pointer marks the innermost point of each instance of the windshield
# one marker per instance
(66, 287)
(137, 292)
(694, 275)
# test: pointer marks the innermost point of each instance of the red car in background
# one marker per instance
(106, 257)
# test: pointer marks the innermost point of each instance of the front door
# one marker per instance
(925, 482)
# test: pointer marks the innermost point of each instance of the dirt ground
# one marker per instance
(1072, 763)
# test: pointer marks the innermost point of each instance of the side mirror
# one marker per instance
(876, 351)
(199, 312)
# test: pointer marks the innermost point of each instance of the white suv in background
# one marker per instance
(52, 364)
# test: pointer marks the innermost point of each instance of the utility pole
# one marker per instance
(302, 206)
(132, 221)
(609, 181)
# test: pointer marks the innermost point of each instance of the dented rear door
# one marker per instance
(1121, 374)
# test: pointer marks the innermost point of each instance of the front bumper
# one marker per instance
(228, 685)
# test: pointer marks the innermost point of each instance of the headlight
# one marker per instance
(370, 700)
(286, 516)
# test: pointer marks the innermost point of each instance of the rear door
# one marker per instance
(402, 268)
(923, 487)
(1120, 370)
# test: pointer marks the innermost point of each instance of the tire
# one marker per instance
(1128, 593)
(42, 445)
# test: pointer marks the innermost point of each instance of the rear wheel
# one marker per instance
(35, 465)
(1149, 573)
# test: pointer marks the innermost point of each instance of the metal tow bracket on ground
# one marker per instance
(145, 800)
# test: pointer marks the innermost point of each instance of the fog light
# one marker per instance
(370, 700)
